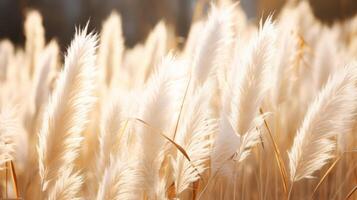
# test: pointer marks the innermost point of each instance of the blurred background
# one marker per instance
(139, 16)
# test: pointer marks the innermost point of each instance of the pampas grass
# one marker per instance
(331, 113)
(221, 118)
(35, 40)
(159, 99)
(66, 115)
(10, 129)
(196, 138)
(111, 49)
(214, 44)
(120, 181)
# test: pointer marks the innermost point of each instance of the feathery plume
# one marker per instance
(251, 85)
(155, 48)
(109, 139)
(119, 181)
(196, 138)
(192, 39)
(225, 145)
(330, 114)
(43, 78)
(9, 131)
(111, 49)
(214, 45)
(6, 55)
(240, 119)
(159, 101)
(67, 186)
(67, 113)
(35, 40)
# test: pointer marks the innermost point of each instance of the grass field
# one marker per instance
(237, 111)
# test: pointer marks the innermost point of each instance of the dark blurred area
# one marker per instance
(61, 16)
(138, 16)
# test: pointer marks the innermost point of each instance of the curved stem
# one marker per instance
(181, 108)
(14, 179)
(291, 189)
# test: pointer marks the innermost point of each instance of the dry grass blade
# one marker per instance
(325, 175)
(181, 107)
(182, 150)
(278, 157)
(195, 187)
(14, 179)
(6, 175)
(167, 138)
(351, 193)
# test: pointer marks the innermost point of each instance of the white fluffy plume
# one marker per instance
(67, 113)
(67, 186)
(330, 114)
(250, 87)
(119, 181)
(196, 138)
(111, 49)
(109, 139)
(35, 40)
(214, 45)
(240, 118)
(160, 99)
(10, 127)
